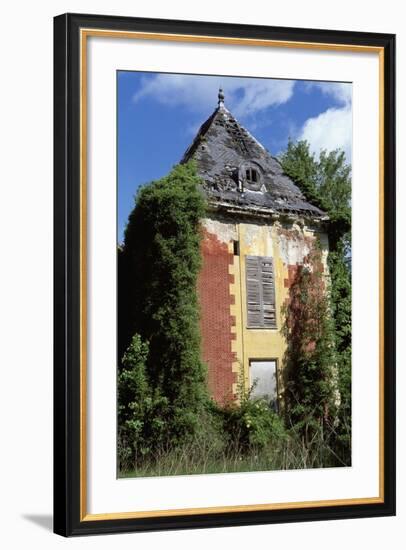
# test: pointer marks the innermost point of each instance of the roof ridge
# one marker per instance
(204, 127)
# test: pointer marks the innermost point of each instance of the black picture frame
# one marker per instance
(68, 520)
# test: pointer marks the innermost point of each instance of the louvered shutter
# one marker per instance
(268, 292)
(261, 311)
(254, 309)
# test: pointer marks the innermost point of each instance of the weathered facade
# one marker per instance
(259, 229)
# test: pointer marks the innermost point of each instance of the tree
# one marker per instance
(325, 182)
(162, 252)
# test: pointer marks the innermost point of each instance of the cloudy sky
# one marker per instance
(159, 115)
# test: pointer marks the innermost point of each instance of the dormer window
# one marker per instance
(251, 175)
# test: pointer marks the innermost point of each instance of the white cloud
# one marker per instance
(330, 130)
(243, 96)
(260, 94)
(340, 91)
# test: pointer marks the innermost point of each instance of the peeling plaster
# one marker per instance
(225, 232)
(293, 248)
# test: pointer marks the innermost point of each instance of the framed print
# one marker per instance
(224, 274)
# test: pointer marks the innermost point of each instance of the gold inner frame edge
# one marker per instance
(84, 34)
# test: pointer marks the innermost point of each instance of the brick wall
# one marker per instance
(215, 319)
(292, 274)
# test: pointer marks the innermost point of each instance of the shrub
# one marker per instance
(250, 423)
(141, 411)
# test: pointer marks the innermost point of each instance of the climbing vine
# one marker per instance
(326, 182)
(162, 255)
(310, 356)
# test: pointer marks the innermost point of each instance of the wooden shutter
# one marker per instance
(254, 310)
(268, 292)
(261, 311)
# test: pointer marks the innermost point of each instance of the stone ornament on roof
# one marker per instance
(221, 98)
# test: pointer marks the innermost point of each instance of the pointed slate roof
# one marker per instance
(224, 152)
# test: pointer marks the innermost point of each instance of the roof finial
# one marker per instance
(221, 97)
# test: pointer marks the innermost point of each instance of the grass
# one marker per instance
(199, 458)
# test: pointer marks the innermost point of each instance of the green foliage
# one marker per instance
(167, 423)
(299, 164)
(341, 302)
(310, 355)
(326, 182)
(250, 423)
(341, 295)
(162, 252)
(141, 411)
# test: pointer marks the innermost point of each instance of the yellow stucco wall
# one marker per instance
(287, 244)
(260, 343)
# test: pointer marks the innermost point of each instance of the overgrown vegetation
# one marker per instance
(142, 409)
(326, 182)
(310, 355)
(162, 255)
(167, 422)
(248, 436)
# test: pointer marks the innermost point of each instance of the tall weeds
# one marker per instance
(203, 457)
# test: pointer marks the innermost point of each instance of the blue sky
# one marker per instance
(159, 115)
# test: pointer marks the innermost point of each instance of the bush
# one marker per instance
(253, 424)
(141, 411)
(250, 423)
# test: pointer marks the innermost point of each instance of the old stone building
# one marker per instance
(258, 230)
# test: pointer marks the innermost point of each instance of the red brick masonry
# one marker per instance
(215, 319)
(292, 273)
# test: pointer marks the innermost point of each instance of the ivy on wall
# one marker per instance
(161, 254)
